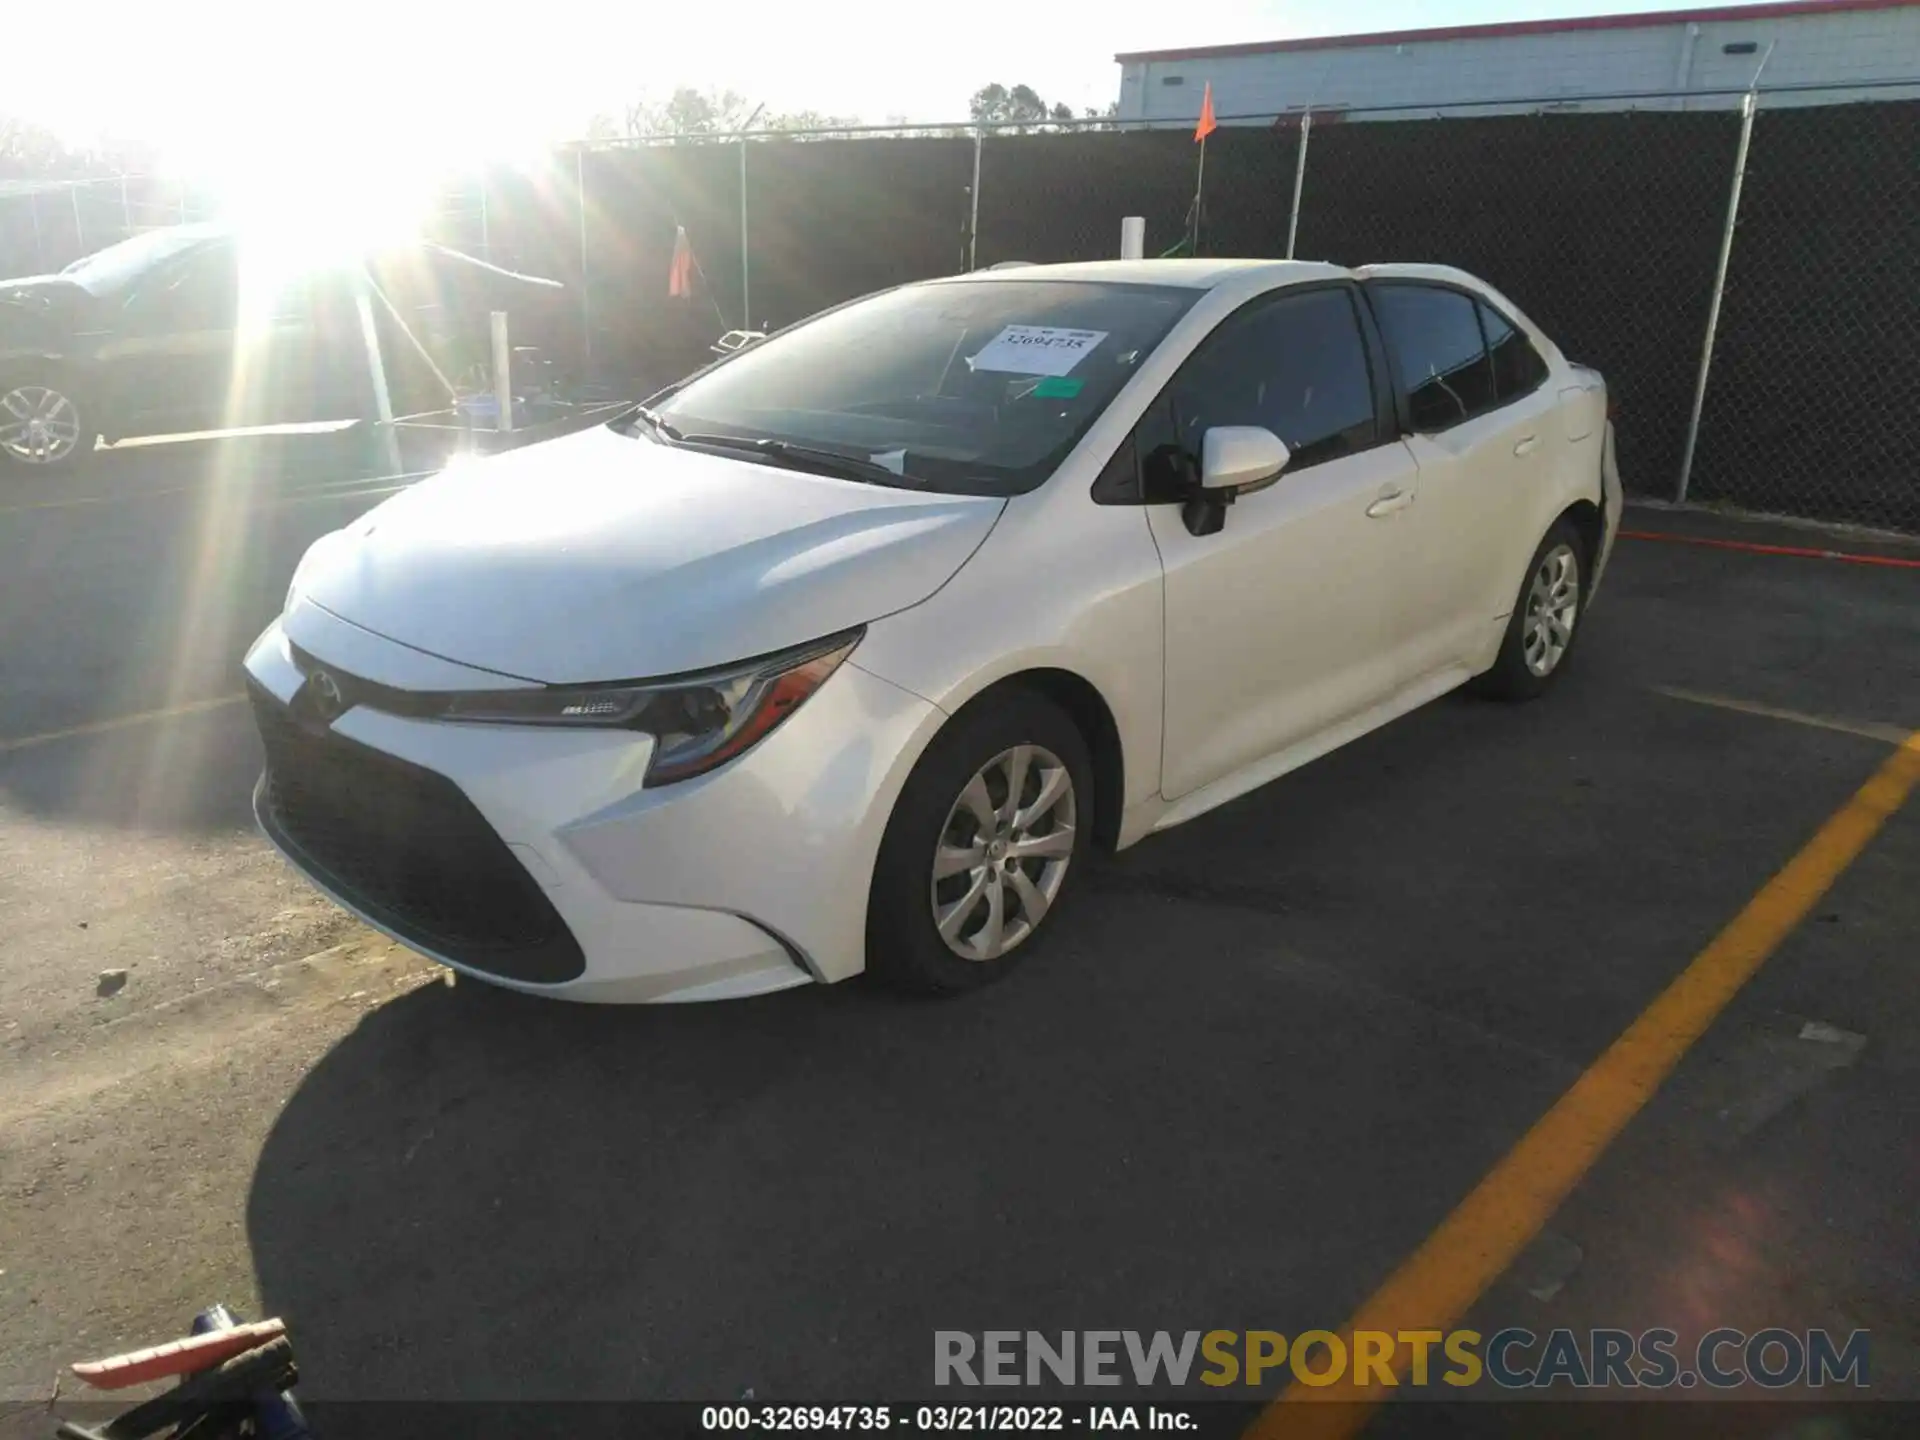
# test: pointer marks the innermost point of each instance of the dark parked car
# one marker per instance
(165, 333)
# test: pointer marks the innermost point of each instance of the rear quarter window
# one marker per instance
(1518, 368)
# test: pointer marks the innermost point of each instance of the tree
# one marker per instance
(690, 112)
(809, 120)
(1020, 108)
(30, 151)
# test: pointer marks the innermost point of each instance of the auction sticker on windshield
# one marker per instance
(1037, 350)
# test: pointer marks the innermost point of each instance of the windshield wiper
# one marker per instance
(804, 457)
(640, 415)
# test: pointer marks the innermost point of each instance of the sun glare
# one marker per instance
(316, 218)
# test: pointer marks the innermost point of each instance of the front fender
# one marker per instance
(1061, 584)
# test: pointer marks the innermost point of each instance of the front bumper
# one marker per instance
(750, 879)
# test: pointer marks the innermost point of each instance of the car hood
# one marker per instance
(602, 556)
(23, 287)
(37, 303)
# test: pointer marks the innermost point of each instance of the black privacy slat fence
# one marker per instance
(1605, 229)
(1606, 225)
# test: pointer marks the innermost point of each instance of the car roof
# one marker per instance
(1413, 270)
(1205, 274)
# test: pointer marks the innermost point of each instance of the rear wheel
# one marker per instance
(1546, 619)
(41, 424)
(981, 846)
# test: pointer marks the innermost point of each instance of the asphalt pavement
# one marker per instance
(1262, 1059)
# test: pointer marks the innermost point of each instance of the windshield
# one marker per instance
(978, 387)
(117, 266)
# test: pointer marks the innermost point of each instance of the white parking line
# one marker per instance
(1868, 729)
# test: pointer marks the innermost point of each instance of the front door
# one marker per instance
(169, 366)
(1276, 624)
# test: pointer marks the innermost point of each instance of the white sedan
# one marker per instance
(843, 653)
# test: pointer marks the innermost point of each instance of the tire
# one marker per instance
(1008, 732)
(1545, 624)
(43, 427)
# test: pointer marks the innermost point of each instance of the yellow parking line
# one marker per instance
(119, 722)
(1437, 1284)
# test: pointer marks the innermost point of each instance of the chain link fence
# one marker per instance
(1810, 402)
(1607, 224)
(45, 223)
(1603, 228)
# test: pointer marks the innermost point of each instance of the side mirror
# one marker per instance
(1234, 458)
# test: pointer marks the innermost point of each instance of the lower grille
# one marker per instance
(407, 848)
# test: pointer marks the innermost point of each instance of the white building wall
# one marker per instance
(1556, 67)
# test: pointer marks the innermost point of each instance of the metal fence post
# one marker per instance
(486, 236)
(39, 246)
(79, 225)
(502, 346)
(973, 204)
(126, 210)
(1299, 180)
(586, 307)
(746, 269)
(385, 436)
(1747, 109)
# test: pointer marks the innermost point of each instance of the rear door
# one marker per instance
(1483, 431)
(301, 353)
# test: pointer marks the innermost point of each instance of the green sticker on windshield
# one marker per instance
(1058, 387)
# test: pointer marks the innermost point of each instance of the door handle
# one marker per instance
(1527, 446)
(1388, 503)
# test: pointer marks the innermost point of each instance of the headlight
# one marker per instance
(698, 722)
(307, 559)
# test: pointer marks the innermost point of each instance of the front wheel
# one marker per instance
(1545, 622)
(40, 425)
(981, 846)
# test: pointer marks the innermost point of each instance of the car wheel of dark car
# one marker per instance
(41, 423)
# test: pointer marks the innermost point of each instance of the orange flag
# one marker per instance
(680, 273)
(1206, 126)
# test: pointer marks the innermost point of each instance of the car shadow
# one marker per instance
(481, 1196)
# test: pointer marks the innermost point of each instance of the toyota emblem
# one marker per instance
(327, 698)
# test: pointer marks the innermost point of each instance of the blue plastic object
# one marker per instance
(276, 1413)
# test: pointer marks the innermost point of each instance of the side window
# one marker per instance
(1296, 365)
(1517, 367)
(199, 292)
(1438, 353)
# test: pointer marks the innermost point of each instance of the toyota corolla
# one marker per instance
(842, 654)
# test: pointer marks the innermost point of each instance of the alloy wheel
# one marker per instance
(1553, 608)
(1003, 853)
(38, 425)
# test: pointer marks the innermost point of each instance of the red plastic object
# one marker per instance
(177, 1357)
